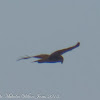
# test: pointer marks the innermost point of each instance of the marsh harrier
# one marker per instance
(53, 57)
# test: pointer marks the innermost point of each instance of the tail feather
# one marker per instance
(35, 61)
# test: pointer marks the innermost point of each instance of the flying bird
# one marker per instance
(53, 57)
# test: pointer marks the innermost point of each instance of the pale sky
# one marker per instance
(31, 27)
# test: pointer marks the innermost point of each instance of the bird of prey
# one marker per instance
(53, 57)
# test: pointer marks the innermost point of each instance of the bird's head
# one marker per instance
(61, 59)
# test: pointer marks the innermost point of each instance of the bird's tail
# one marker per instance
(39, 61)
(35, 61)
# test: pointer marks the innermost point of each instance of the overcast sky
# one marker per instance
(31, 27)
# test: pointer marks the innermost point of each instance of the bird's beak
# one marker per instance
(61, 62)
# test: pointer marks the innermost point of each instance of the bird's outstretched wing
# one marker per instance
(37, 56)
(60, 52)
(41, 56)
(27, 57)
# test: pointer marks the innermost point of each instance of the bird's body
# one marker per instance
(50, 59)
(53, 57)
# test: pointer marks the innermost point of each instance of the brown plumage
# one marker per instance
(53, 57)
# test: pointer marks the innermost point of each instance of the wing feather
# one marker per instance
(60, 52)
(41, 56)
(37, 56)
